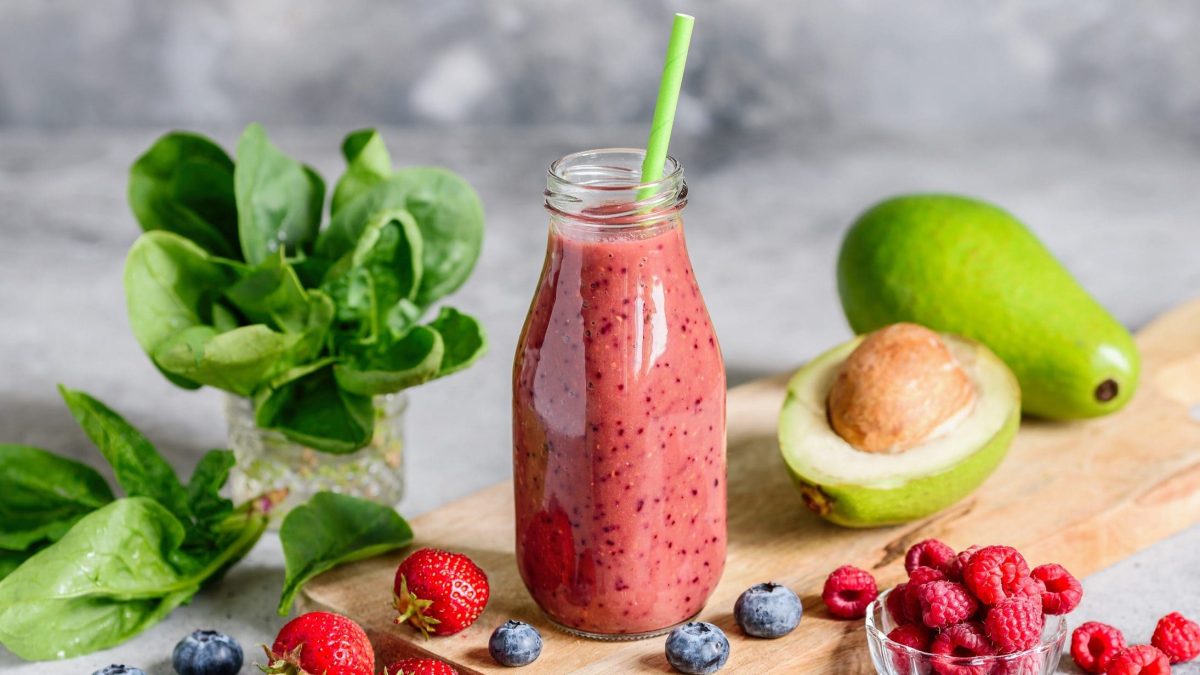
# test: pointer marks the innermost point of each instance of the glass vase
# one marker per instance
(267, 460)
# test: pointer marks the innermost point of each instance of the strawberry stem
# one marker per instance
(412, 608)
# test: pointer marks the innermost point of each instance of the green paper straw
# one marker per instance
(668, 98)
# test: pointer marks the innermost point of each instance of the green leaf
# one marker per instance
(171, 284)
(279, 200)
(139, 469)
(313, 410)
(238, 361)
(174, 290)
(330, 530)
(42, 496)
(204, 488)
(447, 211)
(368, 283)
(464, 338)
(367, 163)
(394, 365)
(11, 560)
(184, 184)
(120, 570)
(271, 294)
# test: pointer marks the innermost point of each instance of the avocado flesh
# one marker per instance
(854, 488)
(964, 266)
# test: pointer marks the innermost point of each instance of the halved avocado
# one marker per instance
(856, 488)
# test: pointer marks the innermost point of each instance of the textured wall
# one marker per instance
(854, 64)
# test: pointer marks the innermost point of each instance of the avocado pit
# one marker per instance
(898, 388)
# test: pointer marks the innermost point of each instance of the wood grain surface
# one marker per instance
(1084, 494)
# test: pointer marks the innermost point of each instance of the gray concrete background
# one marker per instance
(1082, 118)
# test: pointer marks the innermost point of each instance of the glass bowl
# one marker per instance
(893, 658)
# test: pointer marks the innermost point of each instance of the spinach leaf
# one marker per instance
(238, 361)
(204, 488)
(174, 292)
(392, 365)
(42, 495)
(278, 199)
(11, 560)
(271, 294)
(464, 338)
(313, 410)
(119, 571)
(139, 469)
(184, 184)
(369, 283)
(170, 284)
(331, 529)
(367, 163)
(447, 211)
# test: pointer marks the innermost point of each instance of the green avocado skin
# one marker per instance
(862, 507)
(964, 266)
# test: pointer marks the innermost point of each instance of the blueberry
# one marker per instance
(697, 648)
(768, 610)
(515, 643)
(118, 669)
(207, 652)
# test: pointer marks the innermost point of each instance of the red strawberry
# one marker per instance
(440, 592)
(420, 667)
(320, 643)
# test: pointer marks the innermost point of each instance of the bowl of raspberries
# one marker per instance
(981, 611)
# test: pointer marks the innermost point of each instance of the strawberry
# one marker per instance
(420, 667)
(320, 643)
(440, 592)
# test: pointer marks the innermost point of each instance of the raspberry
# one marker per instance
(1139, 660)
(911, 635)
(1177, 637)
(1063, 591)
(1014, 624)
(994, 572)
(960, 561)
(919, 577)
(945, 603)
(1023, 664)
(897, 605)
(848, 591)
(929, 553)
(964, 640)
(1094, 644)
(1030, 589)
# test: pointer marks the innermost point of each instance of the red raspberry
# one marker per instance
(960, 561)
(994, 572)
(1024, 664)
(897, 605)
(919, 577)
(1014, 624)
(1063, 591)
(1030, 589)
(848, 591)
(929, 553)
(945, 603)
(1178, 637)
(960, 641)
(1094, 644)
(1139, 660)
(911, 635)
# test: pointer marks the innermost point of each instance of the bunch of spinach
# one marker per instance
(97, 570)
(82, 571)
(236, 285)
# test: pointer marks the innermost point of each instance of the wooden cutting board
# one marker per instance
(1085, 494)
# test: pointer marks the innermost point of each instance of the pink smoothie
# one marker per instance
(619, 434)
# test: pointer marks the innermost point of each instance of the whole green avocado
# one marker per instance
(964, 266)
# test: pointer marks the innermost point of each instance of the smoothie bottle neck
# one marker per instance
(598, 194)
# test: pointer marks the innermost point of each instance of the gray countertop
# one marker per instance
(764, 221)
